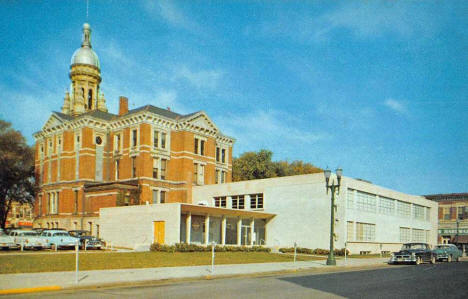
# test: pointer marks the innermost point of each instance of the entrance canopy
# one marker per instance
(212, 211)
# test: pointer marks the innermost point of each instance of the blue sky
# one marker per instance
(378, 88)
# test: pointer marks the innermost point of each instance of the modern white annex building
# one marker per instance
(278, 212)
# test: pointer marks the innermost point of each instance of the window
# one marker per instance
(159, 196)
(446, 213)
(199, 146)
(405, 234)
(40, 206)
(159, 139)
(134, 138)
(418, 212)
(198, 173)
(223, 177)
(155, 167)
(163, 140)
(350, 231)
(163, 169)
(365, 231)
(350, 198)
(223, 155)
(387, 206)
(256, 201)
(133, 167)
(462, 213)
(117, 169)
(419, 235)
(365, 202)
(403, 209)
(216, 176)
(220, 202)
(217, 154)
(76, 202)
(155, 139)
(238, 202)
(117, 143)
(428, 214)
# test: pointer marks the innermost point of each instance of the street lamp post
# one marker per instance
(334, 188)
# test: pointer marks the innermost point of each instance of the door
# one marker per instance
(159, 228)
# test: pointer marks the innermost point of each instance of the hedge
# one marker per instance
(183, 247)
(317, 251)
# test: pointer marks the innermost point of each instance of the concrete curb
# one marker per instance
(30, 290)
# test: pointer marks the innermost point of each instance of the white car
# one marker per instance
(29, 239)
(7, 242)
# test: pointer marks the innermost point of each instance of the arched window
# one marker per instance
(90, 99)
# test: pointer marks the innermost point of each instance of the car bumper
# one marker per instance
(8, 245)
(402, 259)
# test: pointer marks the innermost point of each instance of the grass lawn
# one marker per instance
(30, 263)
(366, 256)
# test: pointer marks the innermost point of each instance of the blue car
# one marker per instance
(447, 252)
(59, 239)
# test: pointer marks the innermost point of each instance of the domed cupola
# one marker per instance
(85, 74)
(85, 54)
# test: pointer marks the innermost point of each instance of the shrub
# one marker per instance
(183, 247)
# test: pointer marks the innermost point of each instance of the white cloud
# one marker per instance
(267, 129)
(363, 19)
(200, 79)
(169, 12)
(396, 106)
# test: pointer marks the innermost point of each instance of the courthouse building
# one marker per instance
(152, 175)
(88, 158)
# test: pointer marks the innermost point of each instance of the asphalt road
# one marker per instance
(442, 280)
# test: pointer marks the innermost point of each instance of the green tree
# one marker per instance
(16, 170)
(253, 165)
(259, 165)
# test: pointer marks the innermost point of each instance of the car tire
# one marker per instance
(457, 259)
(418, 260)
(433, 260)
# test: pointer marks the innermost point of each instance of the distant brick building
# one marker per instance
(453, 217)
(87, 158)
(20, 215)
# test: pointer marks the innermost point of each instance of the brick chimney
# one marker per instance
(123, 106)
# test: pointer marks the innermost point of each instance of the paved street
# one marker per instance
(442, 280)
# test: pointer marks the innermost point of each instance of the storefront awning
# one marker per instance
(212, 211)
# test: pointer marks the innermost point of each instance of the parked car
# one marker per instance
(86, 238)
(448, 252)
(6, 241)
(59, 239)
(29, 239)
(416, 253)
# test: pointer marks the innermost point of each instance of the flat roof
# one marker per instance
(215, 211)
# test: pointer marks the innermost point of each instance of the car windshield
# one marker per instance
(61, 234)
(2, 232)
(442, 247)
(80, 233)
(413, 246)
(28, 234)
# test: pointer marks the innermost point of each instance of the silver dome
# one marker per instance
(85, 54)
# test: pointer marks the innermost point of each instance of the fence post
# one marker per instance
(77, 249)
(295, 251)
(212, 256)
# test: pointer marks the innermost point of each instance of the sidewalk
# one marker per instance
(62, 280)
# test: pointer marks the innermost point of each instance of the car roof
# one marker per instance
(55, 231)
